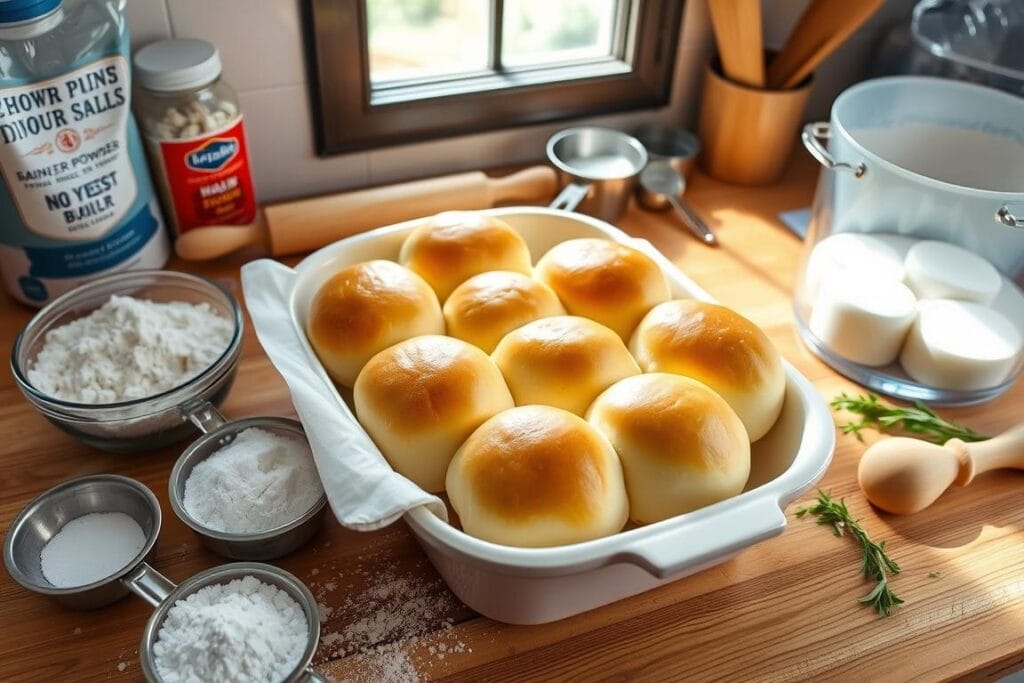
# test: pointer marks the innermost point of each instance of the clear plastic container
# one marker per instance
(981, 41)
(921, 201)
(76, 200)
(192, 122)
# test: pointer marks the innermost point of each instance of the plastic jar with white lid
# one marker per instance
(193, 127)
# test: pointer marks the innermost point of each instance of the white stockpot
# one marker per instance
(924, 157)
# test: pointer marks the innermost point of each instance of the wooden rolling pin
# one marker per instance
(307, 224)
(903, 475)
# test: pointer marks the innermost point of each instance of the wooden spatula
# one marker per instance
(737, 25)
(822, 28)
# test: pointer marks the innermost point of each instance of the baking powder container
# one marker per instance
(907, 159)
(192, 122)
(598, 169)
(217, 433)
(166, 594)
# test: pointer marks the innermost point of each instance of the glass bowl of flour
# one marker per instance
(115, 361)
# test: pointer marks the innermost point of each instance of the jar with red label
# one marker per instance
(194, 134)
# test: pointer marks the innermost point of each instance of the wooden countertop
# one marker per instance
(783, 610)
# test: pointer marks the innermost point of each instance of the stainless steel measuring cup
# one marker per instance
(598, 168)
(677, 146)
(165, 594)
(42, 518)
(217, 433)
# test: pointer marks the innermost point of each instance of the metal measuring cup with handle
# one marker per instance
(45, 515)
(218, 432)
(597, 168)
(163, 594)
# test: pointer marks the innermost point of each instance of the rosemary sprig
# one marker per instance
(876, 565)
(919, 420)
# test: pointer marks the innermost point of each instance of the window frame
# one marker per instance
(346, 120)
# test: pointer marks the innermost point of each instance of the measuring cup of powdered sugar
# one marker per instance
(210, 485)
(254, 636)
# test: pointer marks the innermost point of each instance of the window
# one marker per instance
(394, 71)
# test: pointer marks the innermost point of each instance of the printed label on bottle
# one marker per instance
(208, 178)
(64, 152)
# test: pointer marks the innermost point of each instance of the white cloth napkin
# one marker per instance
(364, 492)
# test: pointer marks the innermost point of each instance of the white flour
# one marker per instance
(129, 349)
(385, 625)
(90, 548)
(257, 482)
(244, 631)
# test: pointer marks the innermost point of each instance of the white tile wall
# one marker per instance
(261, 46)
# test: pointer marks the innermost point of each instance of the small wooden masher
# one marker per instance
(903, 475)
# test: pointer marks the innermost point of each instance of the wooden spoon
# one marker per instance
(903, 475)
(737, 25)
(822, 28)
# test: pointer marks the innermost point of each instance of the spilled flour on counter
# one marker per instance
(129, 349)
(389, 626)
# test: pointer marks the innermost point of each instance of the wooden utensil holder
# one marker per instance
(748, 133)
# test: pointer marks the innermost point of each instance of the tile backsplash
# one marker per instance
(261, 47)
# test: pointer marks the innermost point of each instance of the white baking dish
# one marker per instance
(537, 585)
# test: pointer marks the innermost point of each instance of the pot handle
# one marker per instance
(1006, 216)
(812, 137)
(695, 544)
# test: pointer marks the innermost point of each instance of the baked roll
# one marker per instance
(605, 281)
(682, 447)
(486, 307)
(564, 361)
(454, 246)
(537, 476)
(366, 308)
(719, 347)
(421, 398)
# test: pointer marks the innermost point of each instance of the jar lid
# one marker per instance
(178, 64)
(17, 11)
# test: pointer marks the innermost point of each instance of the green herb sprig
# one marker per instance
(919, 420)
(876, 564)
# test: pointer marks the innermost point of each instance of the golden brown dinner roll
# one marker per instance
(454, 246)
(682, 447)
(537, 476)
(564, 361)
(719, 347)
(421, 398)
(605, 281)
(484, 308)
(366, 308)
